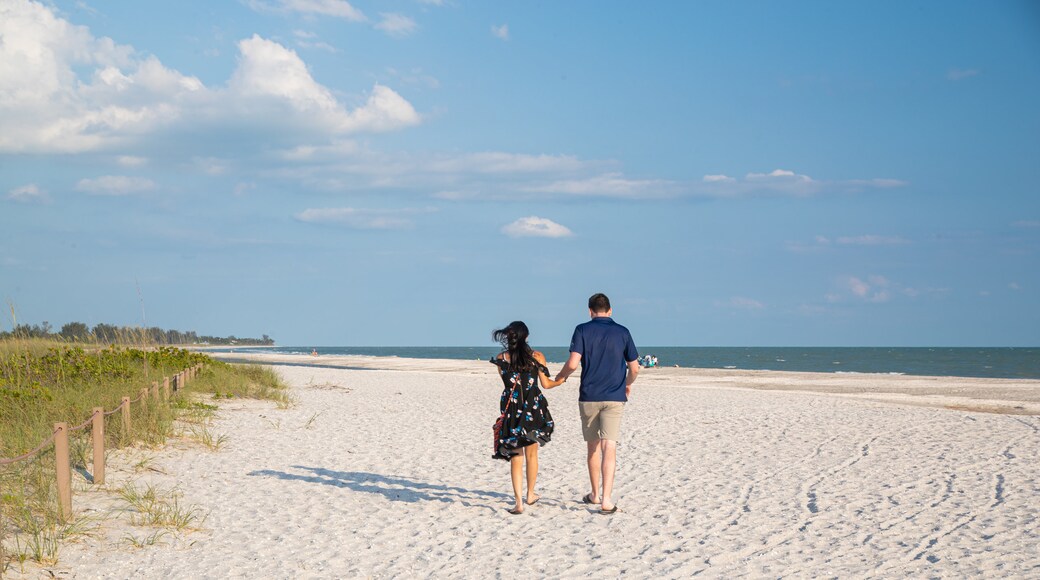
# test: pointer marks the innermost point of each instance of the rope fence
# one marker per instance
(60, 436)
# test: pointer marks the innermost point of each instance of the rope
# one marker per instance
(114, 411)
(39, 448)
(84, 424)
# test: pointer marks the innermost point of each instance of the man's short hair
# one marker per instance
(599, 303)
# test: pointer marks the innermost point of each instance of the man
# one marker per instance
(609, 365)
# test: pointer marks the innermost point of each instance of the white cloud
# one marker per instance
(115, 185)
(534, 226)
(396, 24)
(367, 219)
(500, 162)
(211, 165)
(610, 185)
(873, 289)
(30, 193)
(309, 40)
(432, 2)
(334, 8)
(741, 303)
(956, 74)
(65, 91)
(131, 160)
(1014, 286)
(870, 240)
(1027, 224)
(415, 76)
(784, 182)
(501, 32)
(243, 188)
(718, 179)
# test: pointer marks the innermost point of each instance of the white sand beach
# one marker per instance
(384, 470)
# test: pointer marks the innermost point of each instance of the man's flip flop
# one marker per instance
(608, 512)
(534, 502)
(516, 512)
(587, 498)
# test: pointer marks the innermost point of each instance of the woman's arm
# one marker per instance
(547, 383)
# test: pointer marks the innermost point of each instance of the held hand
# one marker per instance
(628, 391)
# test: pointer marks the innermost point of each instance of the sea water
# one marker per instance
(1004, 362)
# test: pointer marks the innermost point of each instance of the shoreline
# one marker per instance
(1002, 396)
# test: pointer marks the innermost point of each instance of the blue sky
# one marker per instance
(421, 172)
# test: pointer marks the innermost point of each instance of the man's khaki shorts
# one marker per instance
(601, 419)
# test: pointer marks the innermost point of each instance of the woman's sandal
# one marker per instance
(516, 512)
(608, 512)
(587, 498)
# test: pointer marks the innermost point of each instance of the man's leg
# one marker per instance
(595, 460)
(608, 449)
(610, 425)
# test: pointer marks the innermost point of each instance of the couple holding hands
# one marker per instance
(609, 365)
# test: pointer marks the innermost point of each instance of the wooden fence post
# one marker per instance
(166, 384)
(98, 435)
(155, 387)
(144, 395)
(126, 416)
(64, 471)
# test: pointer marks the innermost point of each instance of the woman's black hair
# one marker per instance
(513, 339)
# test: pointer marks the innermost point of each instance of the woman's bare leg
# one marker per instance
(516, 472)
(531, 453)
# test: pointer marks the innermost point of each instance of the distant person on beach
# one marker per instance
(525, 423)
(609, 365)
(314, 352)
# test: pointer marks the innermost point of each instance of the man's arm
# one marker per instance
(633, 372)
(570, 366)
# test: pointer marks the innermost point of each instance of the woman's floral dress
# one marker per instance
(527, 419)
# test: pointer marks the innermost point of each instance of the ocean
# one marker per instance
(1005, 362)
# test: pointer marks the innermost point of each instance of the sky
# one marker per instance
(421, 172)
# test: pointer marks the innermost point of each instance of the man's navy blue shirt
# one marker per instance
(605, 348)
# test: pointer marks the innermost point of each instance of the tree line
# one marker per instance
(112, 334)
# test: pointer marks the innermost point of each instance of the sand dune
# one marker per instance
(387, 473)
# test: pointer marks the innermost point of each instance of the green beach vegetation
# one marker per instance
(110, 334)
(44, 381)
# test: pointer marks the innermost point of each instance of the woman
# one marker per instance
(526, 422)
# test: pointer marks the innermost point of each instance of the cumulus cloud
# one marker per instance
(367, 219)
(538, 227)
(396, 24)
(500, 32)
(115, 185)
(65, 91)
(30, 193)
